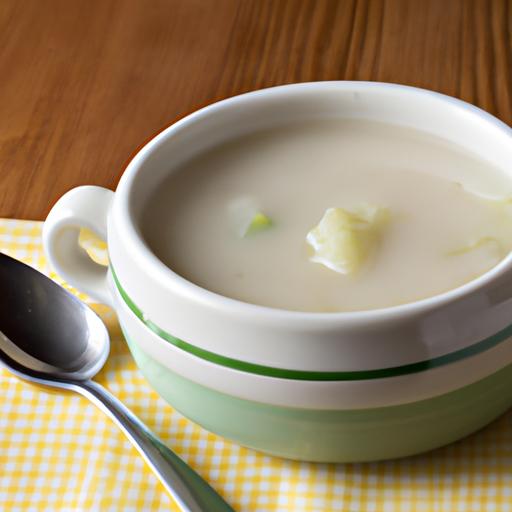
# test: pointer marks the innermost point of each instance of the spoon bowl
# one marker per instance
(45, 330)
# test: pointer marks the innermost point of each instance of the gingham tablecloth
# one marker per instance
(59, 453)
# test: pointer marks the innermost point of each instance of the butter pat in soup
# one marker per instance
(277, 218)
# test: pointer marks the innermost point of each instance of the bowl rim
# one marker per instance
(173, 281)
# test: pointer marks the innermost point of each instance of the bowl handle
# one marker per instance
(81, 207)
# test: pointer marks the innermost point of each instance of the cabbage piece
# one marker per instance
(247, 217)
(344, 239)
(491, 244)
(258, 222)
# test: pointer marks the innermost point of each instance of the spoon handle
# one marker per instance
(187, 488)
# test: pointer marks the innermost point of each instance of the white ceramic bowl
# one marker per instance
(314, 361)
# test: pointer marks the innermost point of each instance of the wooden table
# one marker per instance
(85, 82)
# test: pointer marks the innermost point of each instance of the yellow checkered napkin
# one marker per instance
(59, 453)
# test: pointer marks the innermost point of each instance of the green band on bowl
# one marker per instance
(283, 373)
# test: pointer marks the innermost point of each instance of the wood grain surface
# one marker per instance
(85, 82)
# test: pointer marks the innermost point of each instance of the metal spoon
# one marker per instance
(49, 337)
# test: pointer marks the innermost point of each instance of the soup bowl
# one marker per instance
(337, 387)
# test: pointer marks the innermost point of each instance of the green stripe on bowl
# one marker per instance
(283, 373)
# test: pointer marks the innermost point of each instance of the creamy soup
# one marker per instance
(330, 216)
